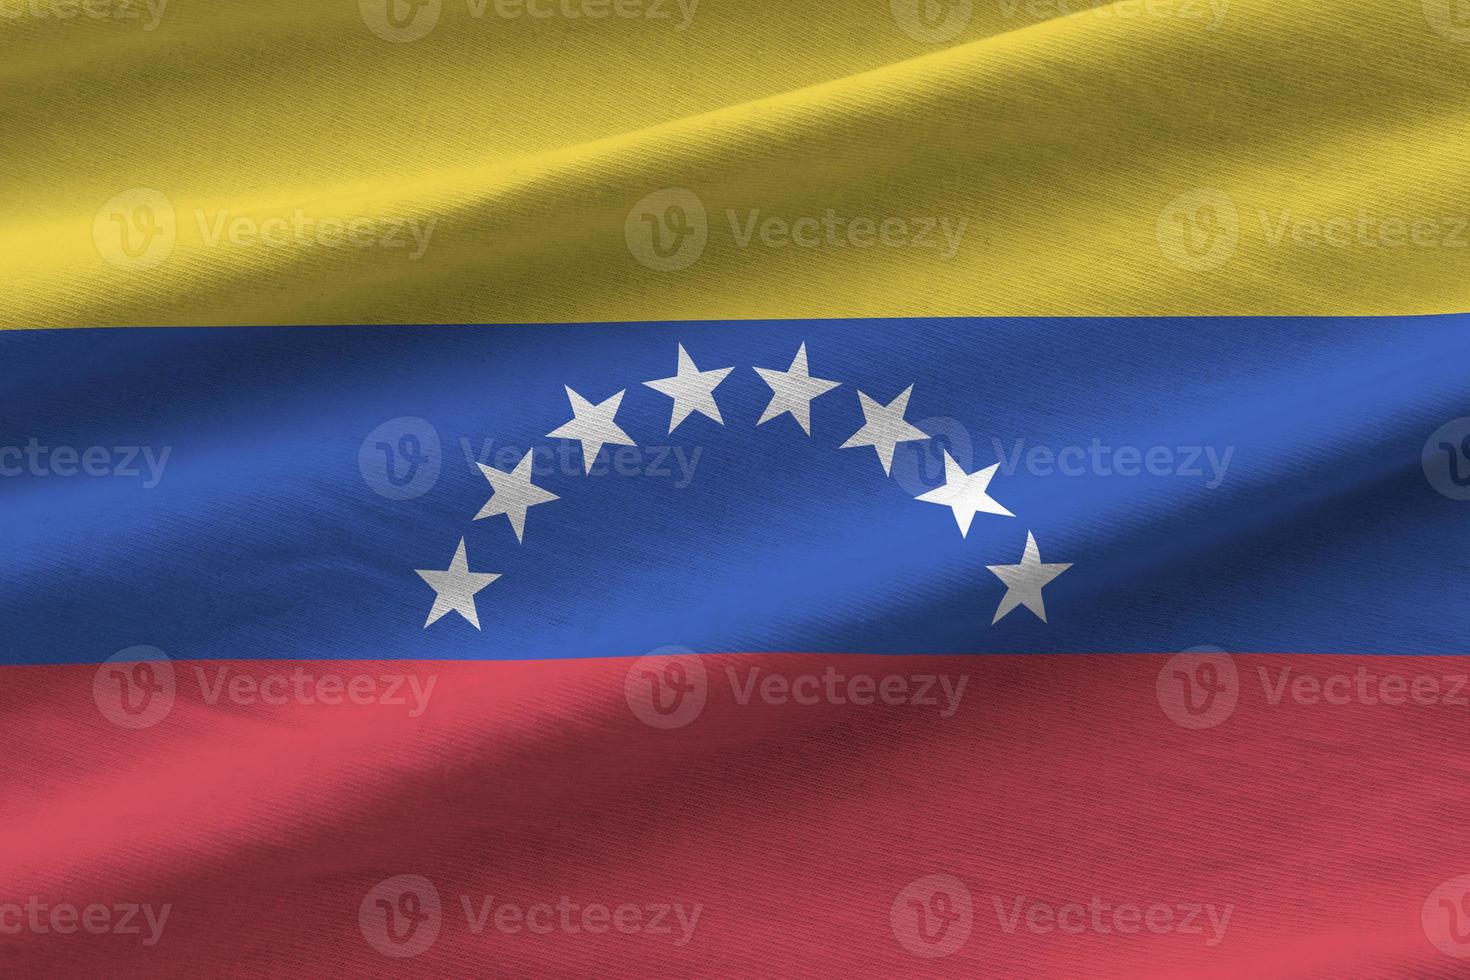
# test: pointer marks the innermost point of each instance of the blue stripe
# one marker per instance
(266, 536)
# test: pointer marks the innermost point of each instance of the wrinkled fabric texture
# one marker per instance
(796, 829)
(1063, 141)
(240, 704)
(237, 748)
(1246, 484)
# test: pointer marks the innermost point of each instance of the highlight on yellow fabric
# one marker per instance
(366, 161)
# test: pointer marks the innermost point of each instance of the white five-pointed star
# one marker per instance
(793, 390)
(514, 494)
(965, 494)
(593, 426)
(691, 389)
(885, 427)
(1025, 581)
(455, 588)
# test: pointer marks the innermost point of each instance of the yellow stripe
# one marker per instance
(1143, 157)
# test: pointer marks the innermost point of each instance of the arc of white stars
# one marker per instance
(691, 389)
(885, 427)
(513, 494)
(594, 426)
(792, 391)
(1025, 581)
(455, 588)
(967, 494)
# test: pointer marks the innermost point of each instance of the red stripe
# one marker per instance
(799, 831)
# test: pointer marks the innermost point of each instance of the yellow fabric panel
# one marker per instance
(1027, 157)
